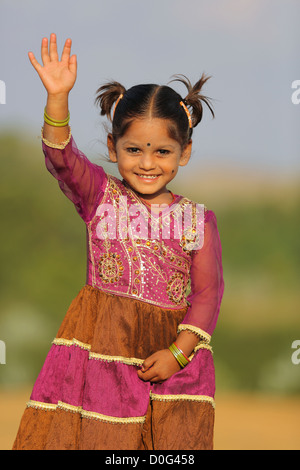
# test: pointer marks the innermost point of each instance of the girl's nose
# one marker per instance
(147, 162)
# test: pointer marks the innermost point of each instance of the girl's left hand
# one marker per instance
(159, 367)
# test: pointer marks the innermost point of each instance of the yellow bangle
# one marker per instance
(54, 122)
(179, 356)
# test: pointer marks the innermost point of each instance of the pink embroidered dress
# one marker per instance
(88, 394)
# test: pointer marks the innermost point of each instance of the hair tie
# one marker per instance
(187, 113)
(117, 102)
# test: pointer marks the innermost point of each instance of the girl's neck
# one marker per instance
(164, 197)
(169, 200)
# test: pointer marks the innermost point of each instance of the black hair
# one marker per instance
(151, 100)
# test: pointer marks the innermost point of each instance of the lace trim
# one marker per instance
(125, 360)
(71, 342)
(60, 146)
(41, 406)
(200, 346)
(131, 361)
(84, 413)
(205, 336)
(200, 398)
(67, 407)
(203, 346)
(113, 419)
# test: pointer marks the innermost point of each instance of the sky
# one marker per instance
(250, 48)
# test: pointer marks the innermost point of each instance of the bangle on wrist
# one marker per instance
(182, 352)
(179, 355)
(55, 122)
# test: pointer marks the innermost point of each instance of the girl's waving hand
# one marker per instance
(58, 76)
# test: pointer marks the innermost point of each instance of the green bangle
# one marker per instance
(182, 361)
(54, 122)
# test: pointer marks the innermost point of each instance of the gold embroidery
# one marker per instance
(110, 268)
(192, 239)
(156, 270)
(200, 398)
(176, 288)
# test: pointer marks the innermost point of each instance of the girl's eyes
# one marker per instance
(164, 152)
(132, 150)
(135, 150)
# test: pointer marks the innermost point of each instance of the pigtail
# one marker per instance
(107, 95)
(194, 98)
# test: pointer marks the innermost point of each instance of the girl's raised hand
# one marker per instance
(58, 76)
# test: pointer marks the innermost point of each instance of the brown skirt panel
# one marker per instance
(176, 425)
(119, 326)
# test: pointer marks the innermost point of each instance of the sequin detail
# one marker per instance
(110, 267)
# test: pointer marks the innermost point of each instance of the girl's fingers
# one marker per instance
(34, 62)
(73, 64)
(147, 364)
(146, 376)
(156, 379)
(53, 47)
(66, 51)
(44, 51)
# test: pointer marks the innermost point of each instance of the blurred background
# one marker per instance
(245, 167)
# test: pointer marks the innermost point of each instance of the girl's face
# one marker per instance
(148, 158)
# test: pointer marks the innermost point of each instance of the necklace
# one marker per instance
(149, 204)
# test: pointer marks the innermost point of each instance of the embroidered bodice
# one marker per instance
(125, 259)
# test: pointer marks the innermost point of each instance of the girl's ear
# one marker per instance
(111, 148)
(186, 154)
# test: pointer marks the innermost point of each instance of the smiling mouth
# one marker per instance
(147, 177)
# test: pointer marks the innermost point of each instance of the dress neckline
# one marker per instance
(149, 204)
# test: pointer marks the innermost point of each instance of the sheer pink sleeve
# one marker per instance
(80, 180)
(207, 283)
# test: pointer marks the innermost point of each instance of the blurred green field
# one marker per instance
(43, 266)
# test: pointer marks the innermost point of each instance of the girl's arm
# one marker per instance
(81, 181)
(207, 287)
(58, 77)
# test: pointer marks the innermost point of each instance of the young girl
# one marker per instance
(131, 366)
